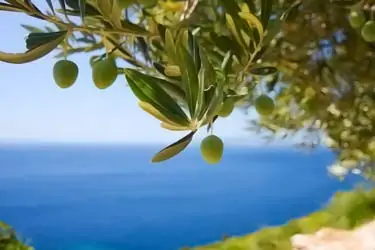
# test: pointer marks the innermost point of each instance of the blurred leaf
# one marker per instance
(266, 10)
(8, 7)
(263, 71)
(173, 149)
(235, 30)
(82, 9)
(50, 5)
(62, 5)
(31, 28)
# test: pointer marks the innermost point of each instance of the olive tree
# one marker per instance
(306, 66)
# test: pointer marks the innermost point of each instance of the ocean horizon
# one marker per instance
(110, 197)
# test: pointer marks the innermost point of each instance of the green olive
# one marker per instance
(368, 31)
(264, 105)
(226, 108)
(104, 73)
(212, 149)
(65, 73)
(357, 19)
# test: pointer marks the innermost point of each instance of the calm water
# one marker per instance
(111, 198)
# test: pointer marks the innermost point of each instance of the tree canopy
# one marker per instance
(306, 66)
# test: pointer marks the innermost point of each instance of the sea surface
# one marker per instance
(77, 197)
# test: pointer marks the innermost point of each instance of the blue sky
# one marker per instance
(34, 109)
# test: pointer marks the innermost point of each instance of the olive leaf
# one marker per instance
(31, 28)
(253, 21)
(62, 4)
(235, 30)
(173, 149)
(82, 9)
(50, 5)
(206, 78)
(170, 47)
(38, 49)
(36, 39)
(148, 89)
(133, 29)
(215, 102)
(189, 78)
(173, 127)
(266, 9)
(111, 11)
(147, 107)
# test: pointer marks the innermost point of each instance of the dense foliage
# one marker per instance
(306, 66)
(347, 210)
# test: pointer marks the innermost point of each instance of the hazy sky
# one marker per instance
(33, 108)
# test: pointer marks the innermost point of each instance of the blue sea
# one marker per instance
(78, 197)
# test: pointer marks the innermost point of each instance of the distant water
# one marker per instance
(112, 198)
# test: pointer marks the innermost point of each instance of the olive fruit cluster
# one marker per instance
(104, 73)
(359, 20)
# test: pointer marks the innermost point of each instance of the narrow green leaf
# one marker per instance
(235, 31)
(132, 28)
(266, 9)
(227, 62)
(173, 149)
(189, 78)
(202, 81)
(32, 54)
(31, 28)
(155, 113)
(194, 50)
(148, 89)
(36, 39)
(189, 8)
(206, 78)
(182, 39)
(214, 105)
(111, 11)
(170, 47)
(50, 5)
(62, 5)
(210, 74)
(82, 9)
